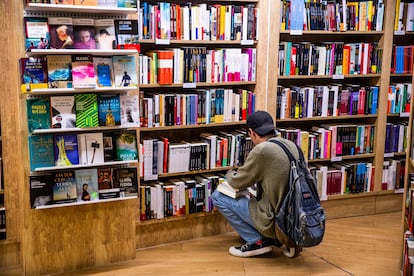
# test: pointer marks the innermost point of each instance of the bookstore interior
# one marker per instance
(128, 113)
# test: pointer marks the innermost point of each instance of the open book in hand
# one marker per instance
(225, 188)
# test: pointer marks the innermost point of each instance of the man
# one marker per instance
(268, 166)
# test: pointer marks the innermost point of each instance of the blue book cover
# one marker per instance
(32, 73)
(109, 110)
(38, 113)
(37, 33)
(64, 187)
(66, 149)
(374, 106)
(41, 151)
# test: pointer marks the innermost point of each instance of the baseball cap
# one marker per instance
(261, 122)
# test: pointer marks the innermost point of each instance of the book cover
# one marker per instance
(108, 3)
(106, 186)
(127, 3)
(125, 71)
(37, 33)
(128, 181)
(59, 68)
(84, 33)
(103, 71)
(85, 2)
(64, 187)
(126, 146)
(108, 147)
(61, 2)
(129, 110)
(109, 110)
(126, 31)
(105, 34)
(41, 151)
(32, 73)
(63, 111)
(83, 73)
(87, 184)
(61, 32)
(41, 187)
(91, 148)
(38, 113)
(66, 149)
(86, 110)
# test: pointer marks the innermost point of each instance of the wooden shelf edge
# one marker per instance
(175, 218)
(84, 203)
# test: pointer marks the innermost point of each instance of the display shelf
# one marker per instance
(78, 9)
(59, 91)
(114, 163)
(79, 203)
(94, 52)
(197, 84)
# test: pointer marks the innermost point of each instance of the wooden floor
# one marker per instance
(367, 245)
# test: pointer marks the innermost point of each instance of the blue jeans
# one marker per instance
(237, 213)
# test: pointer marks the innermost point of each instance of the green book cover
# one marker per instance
(38, 113)
(86, 110)
(126, 146)
(41, 151)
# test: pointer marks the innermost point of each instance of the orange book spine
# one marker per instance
(165, 67)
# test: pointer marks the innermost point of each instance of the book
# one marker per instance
(63, 111)
(109, 110)
(59, 69)
(108, 3)
(87, 184)
(60, 2)
(126, 146)
(41, 187)
(64, 187)
(103, 71)
(129, 110)
(85, 2)
(108, 147)
(41, 151)
(83, 73)
(128, 181)
(66, 149)
(125, 72)
(105, 34)
(38, 113)
(126, 31)
(106, 186)
(91, 148)
(37, 33)
(86, 110)
(84, 33)
(225, 188)
(61, 32)
(127, 3)
(33, 73)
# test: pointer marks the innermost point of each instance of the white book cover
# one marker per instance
(129, 110)
(244, 24)
(91, 150)
(186, 23)
(105, 34)
(409, 23)
(63, 111)
(311, 97)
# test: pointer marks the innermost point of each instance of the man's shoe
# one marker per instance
(249, 250)
(292, 252)
(271, 242)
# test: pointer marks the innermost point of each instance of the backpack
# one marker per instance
(301, 217)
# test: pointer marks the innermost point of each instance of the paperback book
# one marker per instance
(32, 73)
(125, 71)
(91, 149)
(38, 113)
(105, 34)
(103, 71)
(41, 187)
(108, 147)
(109, 110)
(61, 32)
(228, 190)
(126, 31)
(86, 110)
(83, 73)
(41, 151)
(87, 184)
(59, 68)
(63, 111)
(128, 181)
(66, 149)
(126, 146)
(129, 110)
(106, 186)
(84, 33)
(37, 33)
(64, 187)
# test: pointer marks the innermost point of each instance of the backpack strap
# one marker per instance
(287, 151)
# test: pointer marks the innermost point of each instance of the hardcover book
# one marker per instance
(91, 148)
(61, 32)
(87, 184)
(38, 113)
(59, 68)
(63, 111)
(41, 187)
(126, 146)
(103, 71)
(125, 71)
(66, 149)
(83, 73)
(129, 110)
(106, 186)
(105, 34)
(128, 181)
(32, 73)
(41, 151)
(37, 33)
(86, 110)
(84, 33)
(109, 110)
(126, 31)
(64, 187)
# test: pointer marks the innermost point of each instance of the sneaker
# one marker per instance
(292, 252)
(249, 250)
(274, 242)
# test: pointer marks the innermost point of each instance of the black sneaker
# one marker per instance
(249, 250)
(270, 242)
(292, 252)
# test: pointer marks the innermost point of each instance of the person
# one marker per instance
(105, 40)
(126, 79)
(84, 39)
(64, 40)
(85, 193)
(43, 44)
(266, 166)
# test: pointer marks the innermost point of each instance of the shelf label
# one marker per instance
(247, 42)
(162, 41)
(338, 77)
(189, 85)
(404, 114)
(402, 32)
(336, 159)
(296, 32)
(389, 154)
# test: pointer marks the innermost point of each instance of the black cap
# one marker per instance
(261, 122)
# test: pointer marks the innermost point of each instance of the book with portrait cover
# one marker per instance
(41, 151)
(107, 188)
(59, 69)
(83, 73)
(64, 187)
(63, 111)
(87, 184)
(33, 73)
(86, 110)
(128, 181)
(129, 110)
(91, 148)
(84, 33)
(38, 113)
(105, 34)
(66, 149)
(37, 33)
(126, 146)
(125, 71)
(61, 32)
(103, 71)
(41, 189)
(109, 110)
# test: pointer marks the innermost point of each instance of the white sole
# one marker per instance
(233, 251)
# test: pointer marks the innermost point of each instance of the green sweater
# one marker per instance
(268, 166)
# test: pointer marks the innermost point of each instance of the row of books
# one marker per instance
(2, 223)
(85, 185)
(202, 106)
(99, 3)
(331, 58)
(77, 71)
(192, 21)
(82, 111)
(79, 33)
(329, 100)
(162, 154)
(402, 59)
(332, 16)
(404, 16)
(95, 148)
(197, 64)
(399, 96)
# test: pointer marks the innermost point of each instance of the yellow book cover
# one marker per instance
(363, 14)
(304, 143)
(397, 12)
(222, 21)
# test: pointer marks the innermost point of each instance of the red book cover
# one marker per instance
(178, 21)
(165, 66)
